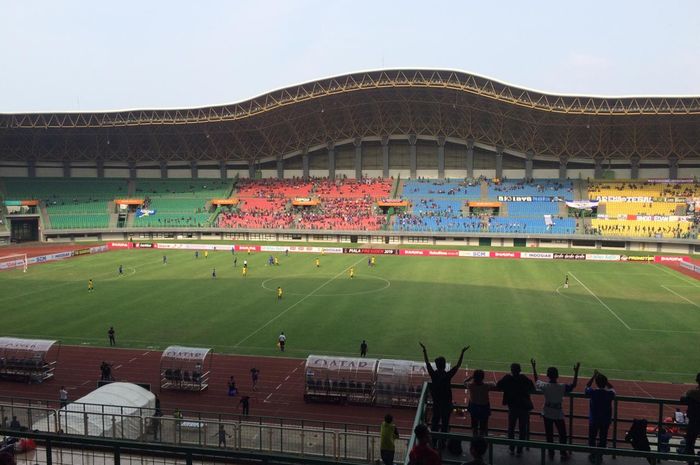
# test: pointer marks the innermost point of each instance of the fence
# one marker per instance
(577, 402)
(242, 435)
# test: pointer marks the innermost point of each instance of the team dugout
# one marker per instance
(185, 368)
(28, 360)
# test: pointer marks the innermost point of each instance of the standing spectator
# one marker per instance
(63, 396)
(363, 348)
(254, 374)
(232, 387)
(222, 434)
(441, 389)
(14, 424)
(389, 434)
(516, 389)
(600, 411)
(478, 449)
(111, 334)
(692, 400)
(553, 413)
(422, 453)
(281, 341)
(245, 404)
(479, 405)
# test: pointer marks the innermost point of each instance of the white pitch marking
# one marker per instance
(296, 303)
(684, 298)
(679, 276)
(117, 367)
(601, 302)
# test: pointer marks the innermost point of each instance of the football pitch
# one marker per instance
(630, 320)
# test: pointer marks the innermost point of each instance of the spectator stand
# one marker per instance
(399, 382)
(185, 368)
(340, 379)
(28, 360)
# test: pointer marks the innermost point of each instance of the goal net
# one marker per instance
(16, 261)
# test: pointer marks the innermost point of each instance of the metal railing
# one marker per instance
(244, 434)
(576, 414)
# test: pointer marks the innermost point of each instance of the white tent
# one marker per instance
(115, 410)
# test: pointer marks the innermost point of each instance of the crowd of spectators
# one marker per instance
(343, 204)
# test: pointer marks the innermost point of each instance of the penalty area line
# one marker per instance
(601, 302)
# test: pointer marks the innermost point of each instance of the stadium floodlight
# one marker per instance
(8, 262)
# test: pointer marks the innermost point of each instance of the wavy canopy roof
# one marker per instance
(440, 103)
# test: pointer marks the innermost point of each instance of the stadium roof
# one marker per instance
(439, 103)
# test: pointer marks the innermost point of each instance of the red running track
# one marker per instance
(280, 389)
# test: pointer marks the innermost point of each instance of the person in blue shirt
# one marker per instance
(600, 411)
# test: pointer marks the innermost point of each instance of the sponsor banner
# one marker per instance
(601, 257)
(370, 251)
(665, 258)
(442, 253)
(528, 198)
(144, 245)
(49, 258)
(671, 181)
(636, 258)
(411, 252)
(473, 253)
(12, 264)
(247, 248)
(120, 245)
(99, 249)
(164, 245)
(616, 198)
(141, 212)
(493, 254)
(569, 256)
(582, 204)
(540, 255)
(81, 252)
(691, 266)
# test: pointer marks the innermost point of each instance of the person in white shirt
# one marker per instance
(679, 417)
(553, 413)
(281, 340)
(63, 396)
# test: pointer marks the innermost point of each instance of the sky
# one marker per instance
(92, 55)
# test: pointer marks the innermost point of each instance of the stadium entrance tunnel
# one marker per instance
(327, 285)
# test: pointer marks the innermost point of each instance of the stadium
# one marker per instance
(278, 233)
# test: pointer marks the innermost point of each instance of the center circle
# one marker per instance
(385, 283)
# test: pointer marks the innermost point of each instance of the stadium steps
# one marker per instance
(130, 219)
(397, 188)
(580, 189)
(563, 209)
(113, 217)
(44, 215)
(484, 190)
(503, 211)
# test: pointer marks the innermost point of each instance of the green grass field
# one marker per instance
(635, 321)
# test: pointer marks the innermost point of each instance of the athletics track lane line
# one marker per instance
(601, 302)
(297, 303)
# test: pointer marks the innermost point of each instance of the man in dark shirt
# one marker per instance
(692, 400)
(516, 389)
(363, 348)
(440, 389)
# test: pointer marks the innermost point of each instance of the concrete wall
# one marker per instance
(14, 171)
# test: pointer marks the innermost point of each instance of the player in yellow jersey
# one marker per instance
(318, 263)
(374, 260)
(352, 273)
(279, 293)
(277, 261)
(91, 286)
(245, 271)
